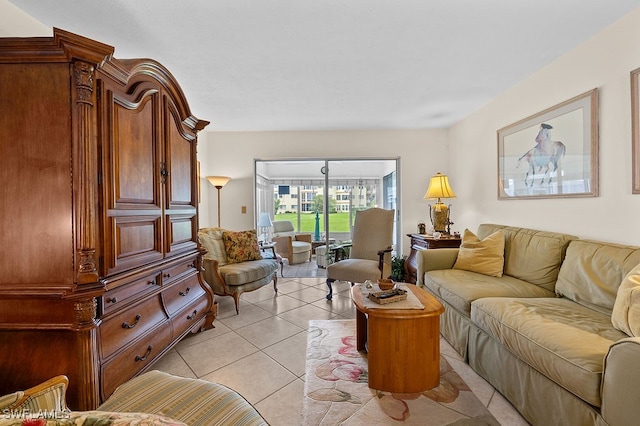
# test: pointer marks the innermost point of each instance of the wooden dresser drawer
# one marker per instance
(128, 363)
(189, 316)
(126, 326)
(181, 294)
(178, 271)
(124, 294)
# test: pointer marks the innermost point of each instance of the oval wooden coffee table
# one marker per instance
(403, 345)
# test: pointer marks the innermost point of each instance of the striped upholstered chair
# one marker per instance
(152, 398)
(194, 402)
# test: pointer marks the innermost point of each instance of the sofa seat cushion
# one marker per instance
(247, 272)
(300, 247)
(459, 288)
(354, 270)
(561, 339)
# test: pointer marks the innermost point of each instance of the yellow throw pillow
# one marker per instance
(484, 257)
(626, 309)
(241, 246)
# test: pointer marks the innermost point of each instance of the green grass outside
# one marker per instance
(338, 222)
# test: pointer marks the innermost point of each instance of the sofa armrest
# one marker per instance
(434, 259)
(620, 382)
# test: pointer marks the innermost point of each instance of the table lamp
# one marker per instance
(264, 222)
(439, 188)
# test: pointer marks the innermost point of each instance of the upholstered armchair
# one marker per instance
(152, 398)
(370, 252)
(296, 247)
(233, 263)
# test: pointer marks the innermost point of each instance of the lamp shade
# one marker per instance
(218, 181)
(439, 188)
(264, 219)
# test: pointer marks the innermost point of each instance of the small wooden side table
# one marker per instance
(269, 246)
(272, 246)
(424, 242)
(403, 345)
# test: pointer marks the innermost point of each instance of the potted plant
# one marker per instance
(397, 268)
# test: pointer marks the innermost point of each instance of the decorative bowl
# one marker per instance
(386, 284)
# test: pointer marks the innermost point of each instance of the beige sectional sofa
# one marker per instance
(543, 332)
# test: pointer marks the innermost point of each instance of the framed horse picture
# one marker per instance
(635, 123)
(553, 153)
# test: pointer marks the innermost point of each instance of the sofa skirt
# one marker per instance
(454, 327)
(550, 405)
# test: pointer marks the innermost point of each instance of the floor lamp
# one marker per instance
(218, 182)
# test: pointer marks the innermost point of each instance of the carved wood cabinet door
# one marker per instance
(181, 224)
(133, 168)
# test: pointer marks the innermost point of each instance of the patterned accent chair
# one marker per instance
(231, 278)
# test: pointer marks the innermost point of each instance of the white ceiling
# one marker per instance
(337, 64)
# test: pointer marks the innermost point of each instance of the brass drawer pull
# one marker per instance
(184, 293)
(127, 325)
(193, 315)
(146, 354)
(151, 282)
(111, 299)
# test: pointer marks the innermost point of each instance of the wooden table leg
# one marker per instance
(361, 330)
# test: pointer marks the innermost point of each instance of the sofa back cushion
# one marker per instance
(531, 255)
(283, 228)
(592, 272)
(211, 240)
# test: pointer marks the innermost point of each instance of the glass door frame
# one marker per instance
(327, 161)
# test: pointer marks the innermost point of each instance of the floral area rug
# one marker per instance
(337, 391)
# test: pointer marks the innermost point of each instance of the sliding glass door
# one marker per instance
(321, 196)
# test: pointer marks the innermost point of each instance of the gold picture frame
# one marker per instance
(551, 154)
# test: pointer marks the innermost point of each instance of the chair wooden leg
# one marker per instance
(275, 282)
(330, 295)
(236, 298)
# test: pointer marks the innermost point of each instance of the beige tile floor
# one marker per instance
(261, 352)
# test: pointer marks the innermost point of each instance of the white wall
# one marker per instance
(467, 152)
(422, 153)
(14, 22)
(605, 62)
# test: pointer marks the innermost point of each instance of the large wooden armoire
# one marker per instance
(99, 258)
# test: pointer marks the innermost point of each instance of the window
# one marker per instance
(295, 190)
